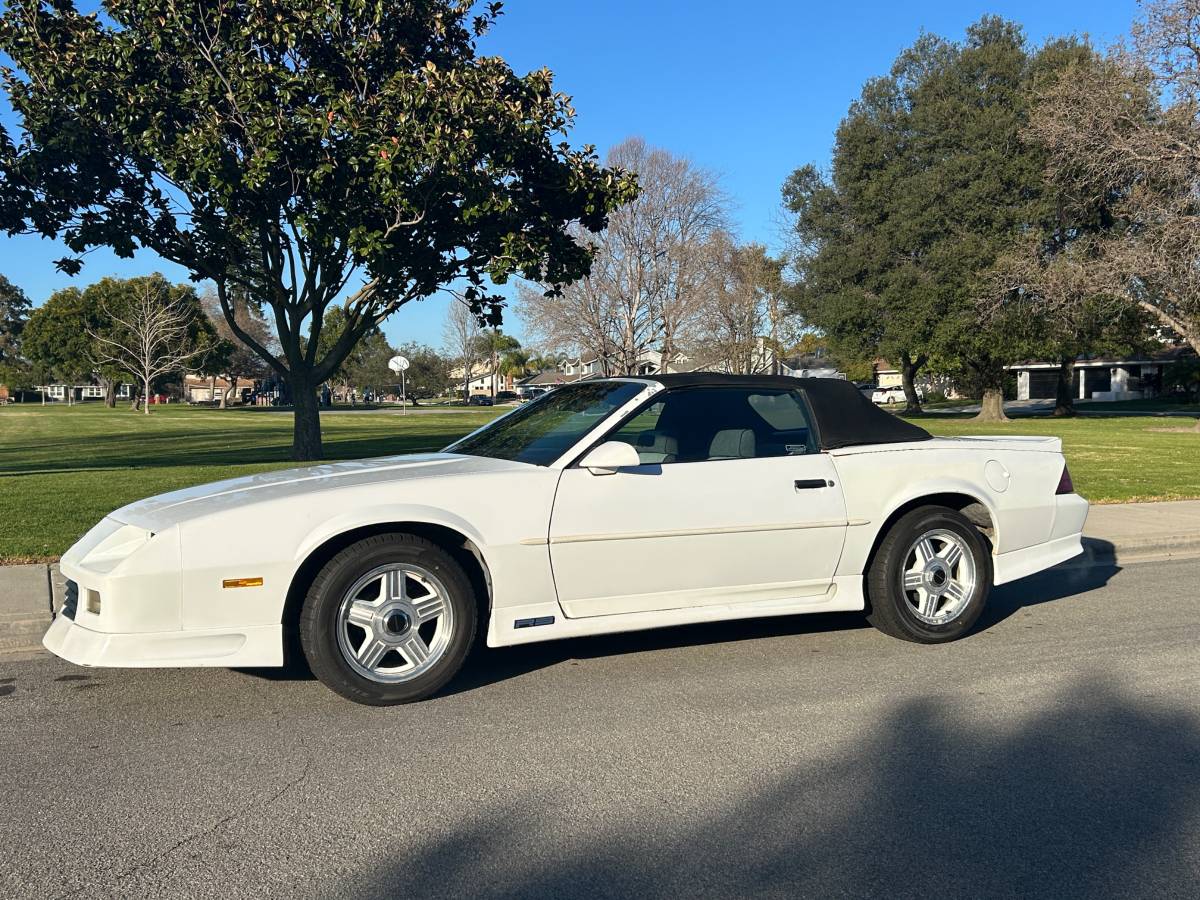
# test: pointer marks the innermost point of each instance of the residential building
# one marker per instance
(483, 383)
(79, 392)
(1104, 378)
(203, 389)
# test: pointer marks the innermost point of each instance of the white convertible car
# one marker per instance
(607, 505)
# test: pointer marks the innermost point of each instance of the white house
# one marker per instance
(1100, 378)
(78, 392)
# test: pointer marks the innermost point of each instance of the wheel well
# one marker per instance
(971, 508)
(458, 545)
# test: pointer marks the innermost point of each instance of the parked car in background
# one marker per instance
(894, 394)
(506, 396)
(532, 392)
(608, 505)
(480, 400)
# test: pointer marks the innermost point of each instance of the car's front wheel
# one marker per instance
(388, 620)
(930, 577)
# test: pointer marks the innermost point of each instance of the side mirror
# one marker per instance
(610, 456)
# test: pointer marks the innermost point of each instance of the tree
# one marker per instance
(14, 311)
(461, 335)
(1058, 286)
(290, 149)
(236, 360)
(160, 330)
(742, 328)
(649, 272)
(1124, 132)
(366, 364)
(428, 373)
(57, 339)
(931, 184)
(493, 346)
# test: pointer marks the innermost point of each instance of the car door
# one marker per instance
(731, 503)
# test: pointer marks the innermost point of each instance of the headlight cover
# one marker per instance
(116, 547)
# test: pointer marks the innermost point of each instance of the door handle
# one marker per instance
(803, 484)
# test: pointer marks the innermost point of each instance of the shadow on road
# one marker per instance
(1088, 573)
(1096, 796)
(489, 666)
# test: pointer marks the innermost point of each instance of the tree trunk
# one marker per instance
(110, 393)
(146, 395)
(908, 373)
(1064, 393)
(306, 421)
(991, 407)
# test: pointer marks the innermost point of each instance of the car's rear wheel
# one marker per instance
(930, 577)
(388, 620)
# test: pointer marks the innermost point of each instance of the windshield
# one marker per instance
(543, 430)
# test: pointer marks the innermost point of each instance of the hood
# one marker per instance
(164, 510)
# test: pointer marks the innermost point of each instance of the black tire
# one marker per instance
(320, 624)
(889, 607)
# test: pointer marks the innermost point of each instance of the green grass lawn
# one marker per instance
(62, 469)
(1112, 459)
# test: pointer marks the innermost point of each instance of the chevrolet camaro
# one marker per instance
(605, 505)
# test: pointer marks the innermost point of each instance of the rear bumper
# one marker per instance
(1065, 542)
(256, 645)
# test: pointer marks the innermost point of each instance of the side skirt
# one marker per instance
(844, 595)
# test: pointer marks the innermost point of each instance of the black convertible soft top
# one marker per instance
(844, 417)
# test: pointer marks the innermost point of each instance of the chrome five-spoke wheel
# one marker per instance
(938, 577)
(930, 577)
(389, 619)
(394, 623)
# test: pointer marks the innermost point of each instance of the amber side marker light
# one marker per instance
(241, 582)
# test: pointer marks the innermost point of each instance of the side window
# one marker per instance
(641, 432)
(717, 423)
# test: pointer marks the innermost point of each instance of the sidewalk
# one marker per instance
(1121, 532)
(1141, 531)
(24, 608)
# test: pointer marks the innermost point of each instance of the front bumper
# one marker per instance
(256, 645)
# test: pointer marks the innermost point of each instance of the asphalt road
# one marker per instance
(1055, 752)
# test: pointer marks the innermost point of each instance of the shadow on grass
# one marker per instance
(206, 449)
(1092, 796)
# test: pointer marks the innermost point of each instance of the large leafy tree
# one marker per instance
(14, 310)
(428, 374)
(931, 184)
(306, 152)
(365, 366)
(58, 342)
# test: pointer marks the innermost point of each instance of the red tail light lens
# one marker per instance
(1064, 484)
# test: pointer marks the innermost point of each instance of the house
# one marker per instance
(79, 392)
(203, 389)
(1105, 378)
(482, 384)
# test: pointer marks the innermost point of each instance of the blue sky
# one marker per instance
(748, 90)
